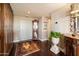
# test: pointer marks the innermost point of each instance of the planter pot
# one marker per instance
(55, 48)
(55, 41)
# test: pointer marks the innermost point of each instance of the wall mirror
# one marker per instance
(77, 24)
(35, 29)
(75, 16)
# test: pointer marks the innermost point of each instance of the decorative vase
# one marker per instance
(55, 48)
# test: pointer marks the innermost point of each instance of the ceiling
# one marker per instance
(36, 9)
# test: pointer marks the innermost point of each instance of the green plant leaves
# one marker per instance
(55, 35)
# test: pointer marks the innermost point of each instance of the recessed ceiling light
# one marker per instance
(28, 12)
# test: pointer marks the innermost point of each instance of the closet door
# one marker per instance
(1, 32)
(8, 28)
(0, 29)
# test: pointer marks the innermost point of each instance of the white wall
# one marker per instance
(62, 26)
(42, 32)
(44, 28)
(62, 17)
(22, 28)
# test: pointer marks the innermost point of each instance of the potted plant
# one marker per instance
(55, 38)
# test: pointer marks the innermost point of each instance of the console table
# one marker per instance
(72, 44)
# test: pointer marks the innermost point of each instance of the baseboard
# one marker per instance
(43, 40)
(16, 41)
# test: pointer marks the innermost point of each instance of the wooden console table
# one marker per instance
(72, 45)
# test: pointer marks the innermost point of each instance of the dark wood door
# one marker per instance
(6, 28)
(1, 32)
(0, 28)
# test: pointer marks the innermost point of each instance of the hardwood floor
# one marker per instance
(44, 49)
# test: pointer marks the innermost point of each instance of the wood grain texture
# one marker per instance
(72, 47)
(6, 18)
(77, 50)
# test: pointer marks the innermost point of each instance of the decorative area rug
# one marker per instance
(26, 48)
